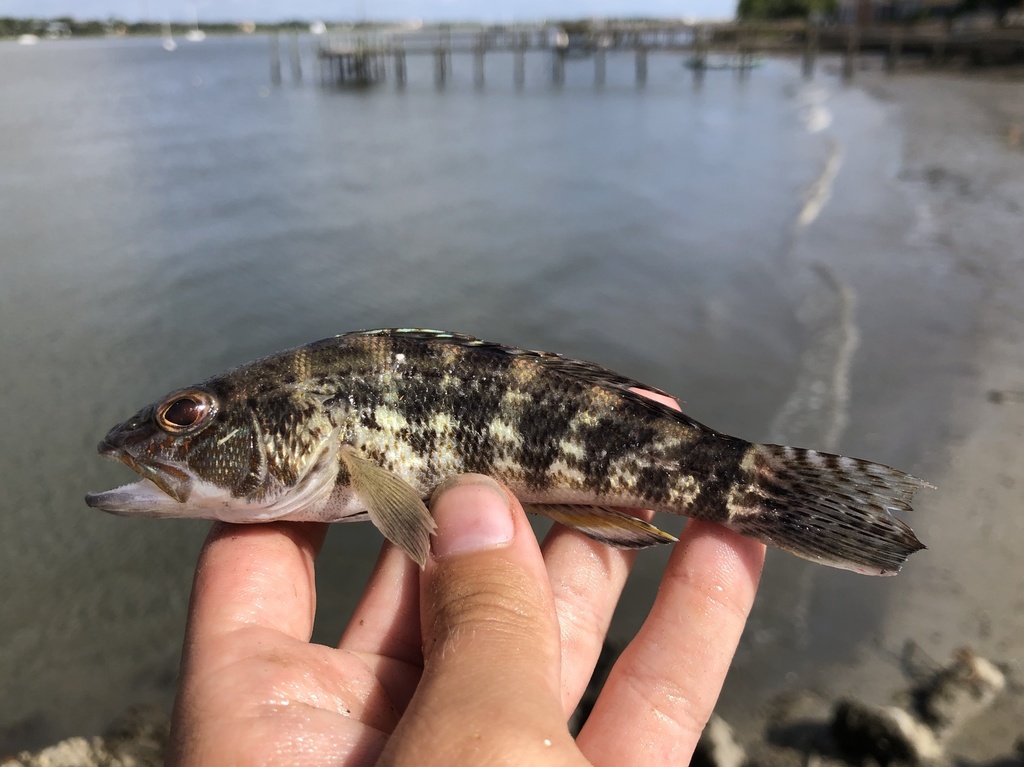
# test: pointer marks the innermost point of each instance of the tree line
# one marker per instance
(67, 25)
(897, 10)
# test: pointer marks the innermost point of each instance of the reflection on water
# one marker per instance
(165, 217)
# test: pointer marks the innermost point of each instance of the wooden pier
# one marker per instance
(366, 59)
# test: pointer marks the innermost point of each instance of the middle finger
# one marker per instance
(587, 578)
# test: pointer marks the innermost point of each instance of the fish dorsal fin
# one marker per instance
(610, 526)
(394, 507)
(588, 372)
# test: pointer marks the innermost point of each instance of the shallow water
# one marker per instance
(746, 245)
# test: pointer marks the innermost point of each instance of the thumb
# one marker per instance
(491, 657)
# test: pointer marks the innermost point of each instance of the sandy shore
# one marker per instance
(963, 140)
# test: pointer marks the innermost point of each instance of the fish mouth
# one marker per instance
(139, 499)
(108, 449)
(163, 492)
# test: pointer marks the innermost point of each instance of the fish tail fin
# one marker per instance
(826, 508)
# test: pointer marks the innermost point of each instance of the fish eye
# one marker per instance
(181, 412)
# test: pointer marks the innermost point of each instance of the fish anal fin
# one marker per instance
(606, 525)
(392, 504)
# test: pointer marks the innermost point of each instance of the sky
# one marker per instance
(354, 10)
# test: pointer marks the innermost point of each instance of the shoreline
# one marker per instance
(962, 142)
(977, 530)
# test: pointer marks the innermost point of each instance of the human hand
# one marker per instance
(511, 635)
(480, 659)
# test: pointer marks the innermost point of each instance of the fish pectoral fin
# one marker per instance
(393, 505)
(610, 526)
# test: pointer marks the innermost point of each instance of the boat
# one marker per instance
(734, 61)
(195, 35)
(28, 39)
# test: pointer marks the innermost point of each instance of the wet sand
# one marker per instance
(963, 141)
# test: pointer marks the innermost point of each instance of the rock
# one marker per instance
(29, 729)
(138, 738)
(766, 755)
(73, 752)
(942, 699)
(795, 733)
(717, 746)
(957, 692)
(800, 720)
(886, 734)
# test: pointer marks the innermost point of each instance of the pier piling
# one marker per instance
(400, 66)
(440, 66)
(295, 58)
(938, 51)
(519, 62)
(744, 58)
(478, 61)
(699, 58)
(641, 65)
(852, 49)
(892, 55)
(275, 58)
(810, 51)
(558, 65)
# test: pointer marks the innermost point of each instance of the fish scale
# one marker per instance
(366, 425)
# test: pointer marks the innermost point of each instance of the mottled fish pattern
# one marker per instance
(367, 424)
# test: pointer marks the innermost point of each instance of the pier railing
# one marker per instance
(366, 57)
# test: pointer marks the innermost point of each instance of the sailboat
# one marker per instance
(168, 43)
(195, 35)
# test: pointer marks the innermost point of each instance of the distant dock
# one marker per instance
(371, 57)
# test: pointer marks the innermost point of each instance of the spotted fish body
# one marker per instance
(367, 424)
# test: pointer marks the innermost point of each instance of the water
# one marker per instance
(165, 216)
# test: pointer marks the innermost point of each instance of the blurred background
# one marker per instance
(787, 256)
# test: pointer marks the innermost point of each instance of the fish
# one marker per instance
(364, 426)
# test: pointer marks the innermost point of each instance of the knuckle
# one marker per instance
(498, 603)
(672, 706)
(712, 590)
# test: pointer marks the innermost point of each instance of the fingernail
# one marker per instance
(472, 513)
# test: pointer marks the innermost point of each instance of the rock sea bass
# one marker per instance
(365, 425)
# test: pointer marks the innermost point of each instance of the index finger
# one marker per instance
(256, 575)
